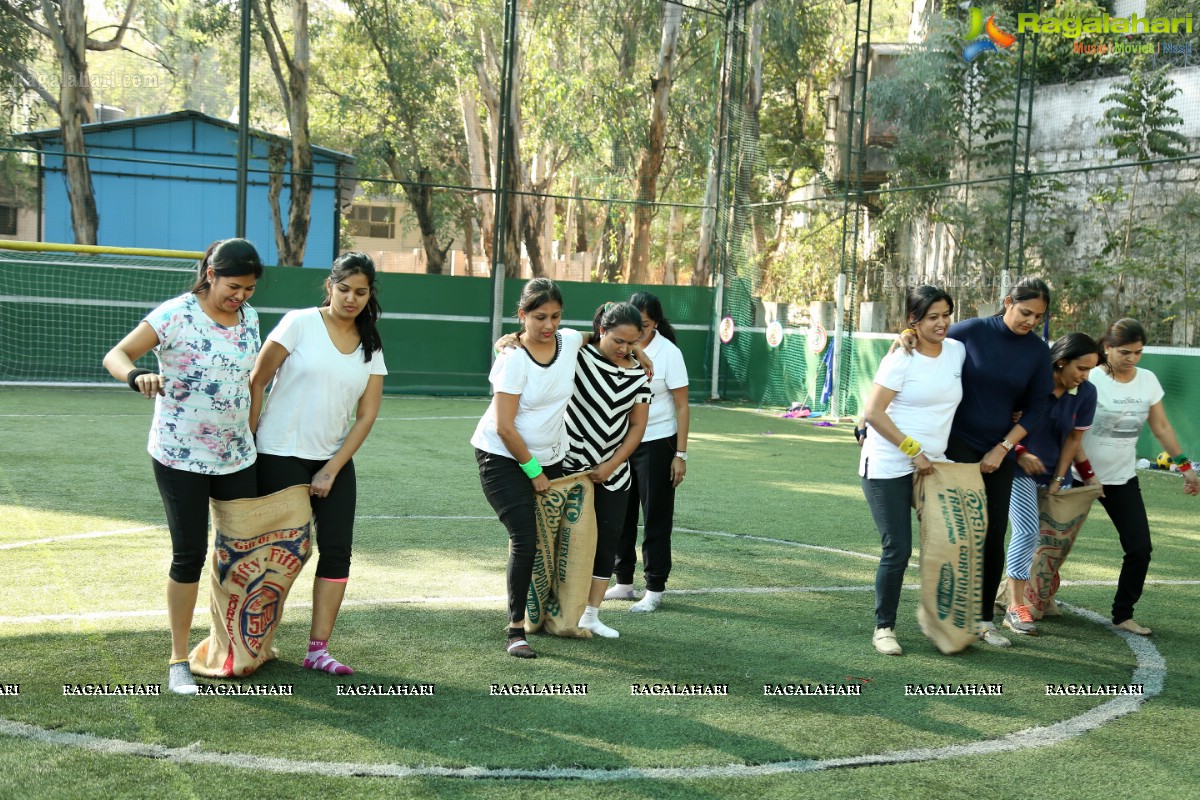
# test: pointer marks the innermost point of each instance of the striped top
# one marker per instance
(598, 414)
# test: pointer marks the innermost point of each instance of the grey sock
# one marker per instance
(180, 680)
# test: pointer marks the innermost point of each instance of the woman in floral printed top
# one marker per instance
(206, 342)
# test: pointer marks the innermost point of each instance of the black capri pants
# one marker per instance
(334, 513)
(185, 500)
(510, 493)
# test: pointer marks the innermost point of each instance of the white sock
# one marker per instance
(650, 602)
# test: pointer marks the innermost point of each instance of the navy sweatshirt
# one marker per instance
(1003, 373)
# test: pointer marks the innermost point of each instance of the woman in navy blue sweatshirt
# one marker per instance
(1006, 371)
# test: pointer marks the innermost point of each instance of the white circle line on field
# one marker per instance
(1150, 673)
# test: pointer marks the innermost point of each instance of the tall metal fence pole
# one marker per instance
(499, 228)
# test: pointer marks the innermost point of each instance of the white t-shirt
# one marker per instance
(927, 393)
(1121, 411)
(316, 390)
(202, 419)
(669, 373)
(544, 391)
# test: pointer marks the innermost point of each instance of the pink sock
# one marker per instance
(318, 658)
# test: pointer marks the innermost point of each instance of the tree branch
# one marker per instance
(272, 56)
(9, 8)
(31, 81)
(115, 42)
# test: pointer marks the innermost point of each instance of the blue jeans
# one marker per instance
(890, 501)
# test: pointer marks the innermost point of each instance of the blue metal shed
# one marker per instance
(169, 181)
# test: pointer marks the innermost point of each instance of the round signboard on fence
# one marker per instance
(775, 334)
(817, 338)
(725, 331)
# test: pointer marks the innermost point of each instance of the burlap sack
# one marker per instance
(566, 548)
(1061, 516)
(260, 547)
(952, 511)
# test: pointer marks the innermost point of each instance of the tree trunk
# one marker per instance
(293, 89)
(477, 160)
(651, 161)
(69, 34)
(670, 260)
(420, 198)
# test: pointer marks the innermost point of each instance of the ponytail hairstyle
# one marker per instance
(652, 307)
(612, 315)
(1028, 288)
(1072, 346)
(1123, 331)
(344, 266)
(921, 299)
(229, 258)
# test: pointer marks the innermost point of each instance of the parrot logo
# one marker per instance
(984, 36)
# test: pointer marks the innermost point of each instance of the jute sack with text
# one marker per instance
(260, 547)
(566, 548)
(952, 511)
(1061, 516)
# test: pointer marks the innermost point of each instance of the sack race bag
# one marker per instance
(952, 511)
(260, 547)
(566, 548)
(1060, 516)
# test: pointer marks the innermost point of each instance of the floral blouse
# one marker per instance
(202, 420)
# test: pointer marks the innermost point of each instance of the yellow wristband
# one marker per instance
(910, 447)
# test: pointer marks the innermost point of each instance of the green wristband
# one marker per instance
(1179, 459)
(531, 468)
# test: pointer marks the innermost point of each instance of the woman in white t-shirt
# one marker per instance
(908, 414)
(521, 441)
(201, 444)
(327, 367)
(1126, 398)
(659, 463)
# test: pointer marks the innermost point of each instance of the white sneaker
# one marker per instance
(885, 642)
(650, 602)
(992, 636)
(620, 591)
(597, 627)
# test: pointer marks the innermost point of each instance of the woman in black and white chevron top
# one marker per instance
(606, 418)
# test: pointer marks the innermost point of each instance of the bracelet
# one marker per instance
(920, 452)
(860, 433)
(133, 375)
(1007, 445)
(531, 468)
(908, 330)
(910, 447)
(1085, 470)
(1020, 450)
(1185, 466)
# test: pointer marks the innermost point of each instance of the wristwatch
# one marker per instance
(681, 455)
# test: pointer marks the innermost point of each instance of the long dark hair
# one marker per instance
(652, 307)
(610, 315)
(1123, 331)
(1028, 288)
(344, 266)
(229, 258)
(537, 293)
(1072, 346)
(921, 299)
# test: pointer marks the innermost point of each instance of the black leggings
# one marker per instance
(1128, 514)
(610, 520)
(185, 499)
(653, 495)
(510, 493)
(334, 514)
(998, 487)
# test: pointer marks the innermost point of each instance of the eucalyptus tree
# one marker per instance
(63, 23)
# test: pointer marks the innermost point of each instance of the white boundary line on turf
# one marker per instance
(1151, 672)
